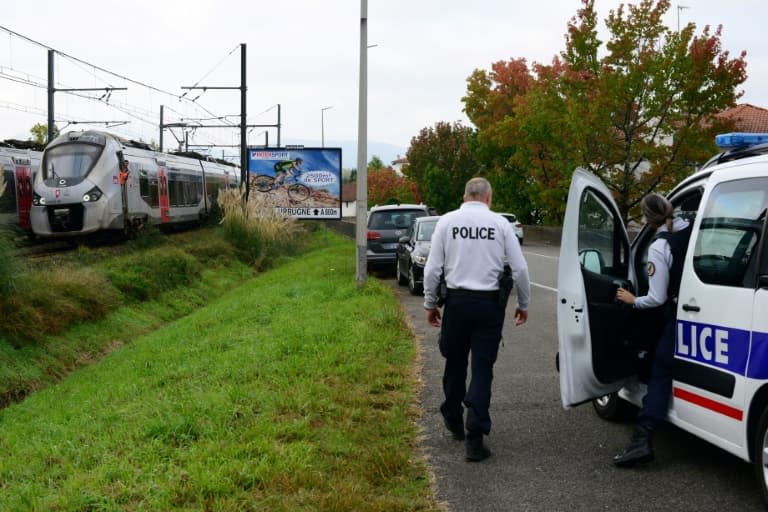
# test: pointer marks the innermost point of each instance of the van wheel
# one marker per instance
(613, 408)
(760, 454)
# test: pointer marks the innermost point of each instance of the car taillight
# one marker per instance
(374, 235)
(518, 225)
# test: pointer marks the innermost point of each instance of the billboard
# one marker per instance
(304, 183)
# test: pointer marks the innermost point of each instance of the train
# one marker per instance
(77, 190)
(19, 161)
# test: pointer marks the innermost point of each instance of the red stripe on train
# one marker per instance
(707, 403)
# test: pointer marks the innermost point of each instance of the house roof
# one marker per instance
(747, 118)
(349, 191)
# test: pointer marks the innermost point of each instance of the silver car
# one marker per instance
(386, 225)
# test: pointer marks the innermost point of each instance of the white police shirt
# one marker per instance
(471, 245)
(659, 264)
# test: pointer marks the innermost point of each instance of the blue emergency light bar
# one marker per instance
(740, 140)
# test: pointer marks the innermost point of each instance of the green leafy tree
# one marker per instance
(40, 133)
(639, 111)
(440, 162)
(376, 163)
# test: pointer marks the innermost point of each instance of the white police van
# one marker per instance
(720, 386)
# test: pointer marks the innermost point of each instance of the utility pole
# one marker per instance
(361, 218)
(162, 113)
(243, 135)
(680, 8)
(52, 89)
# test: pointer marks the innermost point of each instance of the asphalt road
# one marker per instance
(546, 458)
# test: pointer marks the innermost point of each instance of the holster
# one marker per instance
(506, 283)
(442, 291)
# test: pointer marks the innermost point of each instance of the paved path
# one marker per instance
(549, 459)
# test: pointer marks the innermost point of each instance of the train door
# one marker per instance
(162, 188)
(23, 191)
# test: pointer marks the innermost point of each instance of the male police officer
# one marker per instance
(470, 247)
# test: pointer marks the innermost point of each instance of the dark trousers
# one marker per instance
(656, 399)
(470, 325)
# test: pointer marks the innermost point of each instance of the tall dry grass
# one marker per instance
(257, 229)
(2, 182)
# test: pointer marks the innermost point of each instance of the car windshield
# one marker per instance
(425, 230)
(394, 219)
(68, 161)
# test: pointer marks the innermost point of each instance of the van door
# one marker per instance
(595, 354)
(715, 312)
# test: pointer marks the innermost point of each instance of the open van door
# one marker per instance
(596, 350)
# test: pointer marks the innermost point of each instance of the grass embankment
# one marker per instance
(292, 392)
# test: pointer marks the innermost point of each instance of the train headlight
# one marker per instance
(92, 195)
(37, 200)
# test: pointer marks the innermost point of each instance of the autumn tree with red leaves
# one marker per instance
(638, 112)
(385, 186)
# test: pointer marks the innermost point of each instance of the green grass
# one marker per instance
(294, 391)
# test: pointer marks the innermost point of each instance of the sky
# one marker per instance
(301, 54)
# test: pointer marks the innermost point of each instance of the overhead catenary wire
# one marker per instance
(104, 70)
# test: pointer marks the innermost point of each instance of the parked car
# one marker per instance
(412, 253)
(386, 225)
(516, 226)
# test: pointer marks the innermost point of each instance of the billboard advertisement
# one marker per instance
(304, 183)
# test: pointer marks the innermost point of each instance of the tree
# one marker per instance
(40, 133)
(386, 187)
(376, 163)
(638, 111)
(441, 161)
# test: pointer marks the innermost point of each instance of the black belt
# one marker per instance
(482, 294)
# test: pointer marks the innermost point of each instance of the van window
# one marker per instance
(731, 226)
(598, 239)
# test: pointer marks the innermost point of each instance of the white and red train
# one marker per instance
(19, 161)
(77, 190)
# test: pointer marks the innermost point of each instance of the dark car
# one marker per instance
(412, 253)
(386, 225)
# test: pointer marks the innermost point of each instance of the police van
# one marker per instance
(720, 386)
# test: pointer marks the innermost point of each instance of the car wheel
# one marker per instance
(413, 287)
(760, 454)
(521, 241)
(611, 407)
(402, 279)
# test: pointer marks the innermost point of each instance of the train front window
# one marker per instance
(70, 161)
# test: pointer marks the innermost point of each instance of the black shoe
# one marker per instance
(456, 428)
(640, 449)
(476, 448)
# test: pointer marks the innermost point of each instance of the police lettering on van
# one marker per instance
(720, 386)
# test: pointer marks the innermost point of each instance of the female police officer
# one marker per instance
(470, 247)
(665, 265)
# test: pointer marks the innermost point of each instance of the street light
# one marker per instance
(322, 125)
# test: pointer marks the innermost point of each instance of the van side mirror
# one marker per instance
(592, 260)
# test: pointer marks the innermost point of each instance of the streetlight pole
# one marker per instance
(322, 125)
(361, 228)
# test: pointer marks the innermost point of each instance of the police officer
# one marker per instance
(665, 269)
(470, 247)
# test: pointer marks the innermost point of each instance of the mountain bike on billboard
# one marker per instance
(297, 191)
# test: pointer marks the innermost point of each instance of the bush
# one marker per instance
(50, 301)
(8, 266)
(258, 231)
(147, 274)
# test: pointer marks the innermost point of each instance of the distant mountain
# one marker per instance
(387, 152)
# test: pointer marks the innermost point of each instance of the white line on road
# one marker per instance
(545, 287)
(541, 255)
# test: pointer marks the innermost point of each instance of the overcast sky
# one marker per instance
(303, 55)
